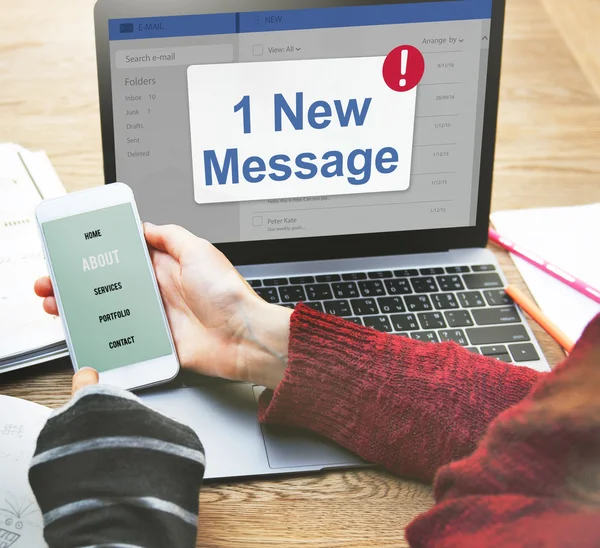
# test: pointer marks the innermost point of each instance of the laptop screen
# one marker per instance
(261, 126)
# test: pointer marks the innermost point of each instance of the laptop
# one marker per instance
(339, 152)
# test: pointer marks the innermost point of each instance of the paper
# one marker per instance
(12, 169)
(565, 236)
(25, 179)
(42, 173)
(21, 523)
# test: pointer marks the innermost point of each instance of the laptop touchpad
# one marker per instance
(224, 417)
(293, 448)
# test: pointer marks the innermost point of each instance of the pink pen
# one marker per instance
(545, 266)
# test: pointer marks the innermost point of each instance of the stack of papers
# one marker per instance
(565, 236)
(28, 335)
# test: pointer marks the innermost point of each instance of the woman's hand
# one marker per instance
(220, 326)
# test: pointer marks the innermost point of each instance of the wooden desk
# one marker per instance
(549, 137)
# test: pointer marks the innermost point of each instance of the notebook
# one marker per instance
(27, 334)
(21, 523)
(565, 236)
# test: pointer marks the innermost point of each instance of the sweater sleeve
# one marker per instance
(407, 405)
(109, 471)
(535, 478)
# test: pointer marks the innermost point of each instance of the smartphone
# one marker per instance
(105, 287)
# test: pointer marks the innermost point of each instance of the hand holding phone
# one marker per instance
(220, 326)
(105, 287)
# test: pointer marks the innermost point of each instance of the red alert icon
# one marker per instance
(403, 68)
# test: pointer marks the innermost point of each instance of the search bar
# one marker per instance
(171, 57)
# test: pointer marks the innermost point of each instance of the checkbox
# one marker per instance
(257, 221)
(258, 50)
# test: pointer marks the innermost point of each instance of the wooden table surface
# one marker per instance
(548, 155)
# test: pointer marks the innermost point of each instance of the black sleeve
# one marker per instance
(108, 470)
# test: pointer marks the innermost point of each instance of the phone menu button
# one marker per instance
(121, 342)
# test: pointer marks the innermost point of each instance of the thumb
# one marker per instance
(170, 239)
(84, 377)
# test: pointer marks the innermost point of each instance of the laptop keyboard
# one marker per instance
(464, 304)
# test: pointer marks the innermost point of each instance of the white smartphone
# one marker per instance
(105, 287)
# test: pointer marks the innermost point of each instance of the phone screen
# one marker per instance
(111, 308)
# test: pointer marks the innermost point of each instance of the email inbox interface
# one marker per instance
(303, 123)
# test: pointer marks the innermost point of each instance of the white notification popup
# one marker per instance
(294, 129)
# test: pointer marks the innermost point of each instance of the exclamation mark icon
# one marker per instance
(403, 66)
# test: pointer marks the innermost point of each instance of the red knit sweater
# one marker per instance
(515, 454)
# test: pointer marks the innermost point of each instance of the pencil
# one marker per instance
(532, 309)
